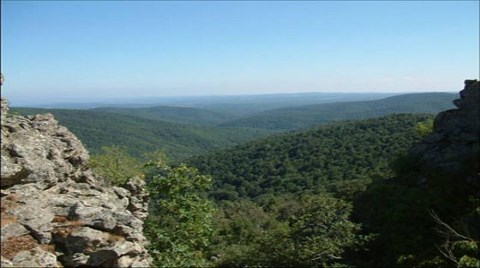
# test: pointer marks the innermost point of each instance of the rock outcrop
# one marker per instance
(454, 145)
(54, 211)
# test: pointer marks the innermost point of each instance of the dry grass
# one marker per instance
(14, 245)
(63, 231)
(66, 227)
(8, 202)
(7, 219)
(12, 197)
(112, 238)
(48, 247)
(58, 218)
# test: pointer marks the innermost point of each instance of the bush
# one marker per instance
(114, 165)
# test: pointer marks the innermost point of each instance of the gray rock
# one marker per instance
(76, 259)
(3, 111)
(84, 240)
(11, 172)
(141, 262)
(35, 258)
(97, 217)
(51, 194)
(5, 262)
(37, 220)
(125, 261)
(127, 247)
(13, 230)
(121, 192)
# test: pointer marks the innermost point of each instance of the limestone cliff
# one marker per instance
(54, 211)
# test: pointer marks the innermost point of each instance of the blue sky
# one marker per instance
(78, 50)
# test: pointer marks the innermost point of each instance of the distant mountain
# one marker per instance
(300, 117)
(187, 115)
(140, 135)
(239, 105)
(251, 104)
(334, 155)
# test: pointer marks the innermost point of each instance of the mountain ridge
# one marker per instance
(300, 117)
(140, 135)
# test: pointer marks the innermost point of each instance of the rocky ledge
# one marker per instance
(454, 145)
(54, 211)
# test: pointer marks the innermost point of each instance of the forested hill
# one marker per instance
(140, 135)
(312, 160)
(305, 116)
(176, 114)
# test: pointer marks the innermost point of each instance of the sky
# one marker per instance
(78, 50)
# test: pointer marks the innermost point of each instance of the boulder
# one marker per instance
(50, 199)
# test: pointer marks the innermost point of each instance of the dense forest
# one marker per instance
(331, 156)
(186, 115)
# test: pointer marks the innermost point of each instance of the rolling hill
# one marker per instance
(140, 135)
(176, 114)
(187, 131)
(311, 160)
(239, 105)
(300, 117)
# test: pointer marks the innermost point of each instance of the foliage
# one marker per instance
(318, 235)
(397, 210)
(180, 222)
(425, 128)
(239, 226)
(460, 248)
(302, 231)
(115, 165)
(174, 114)
(343, 156)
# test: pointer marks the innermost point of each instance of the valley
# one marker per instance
(270, 188)
(184, 132)
(239, 134)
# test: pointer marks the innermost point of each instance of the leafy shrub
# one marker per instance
(114, 165)
(180, 222)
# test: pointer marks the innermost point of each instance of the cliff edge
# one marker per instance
(454, 145)
(54, 211)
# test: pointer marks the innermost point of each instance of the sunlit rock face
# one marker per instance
(54, 211)
(454, 145)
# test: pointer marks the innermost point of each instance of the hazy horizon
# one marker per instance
(206, 100)
(76, 51)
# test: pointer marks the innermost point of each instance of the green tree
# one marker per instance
(114, 165)
(424, 128)
(239, 226)
(286, 231)
(180, 223)
(319, 233)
